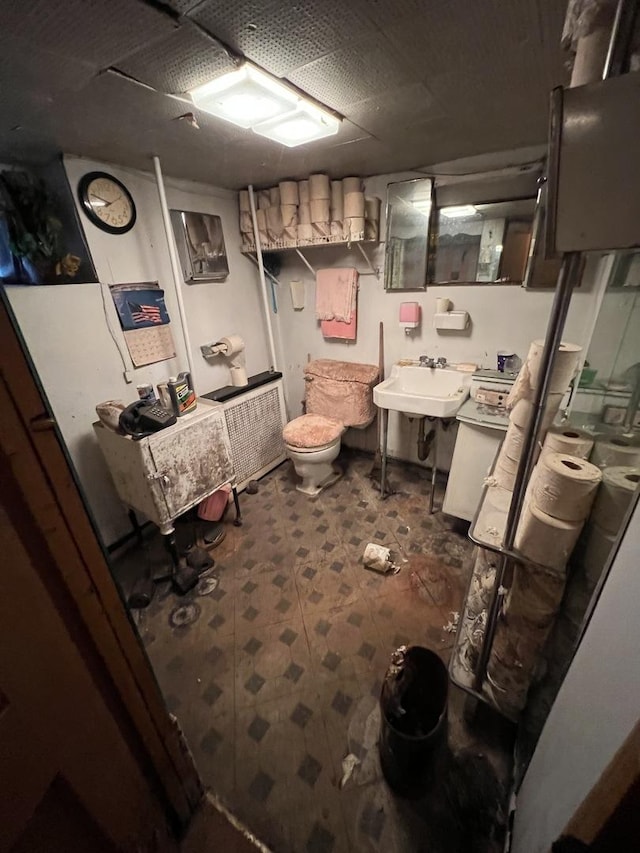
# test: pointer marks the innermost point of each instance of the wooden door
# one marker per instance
(87, 748)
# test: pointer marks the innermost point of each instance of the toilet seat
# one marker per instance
(312, 432)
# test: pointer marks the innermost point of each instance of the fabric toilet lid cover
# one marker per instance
(312, 431)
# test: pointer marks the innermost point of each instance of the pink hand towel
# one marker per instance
(338, 329)
(335, 293)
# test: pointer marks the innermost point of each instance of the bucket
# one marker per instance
(413, 705)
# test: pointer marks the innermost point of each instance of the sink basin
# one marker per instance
(433, 391)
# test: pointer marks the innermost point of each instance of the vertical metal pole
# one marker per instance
(263, 280)
(383, 467)
(434, 465)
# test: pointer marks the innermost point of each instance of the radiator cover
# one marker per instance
(254, 423)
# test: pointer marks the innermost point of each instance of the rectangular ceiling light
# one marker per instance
(460, 211)
(306, 124)
(249, 98)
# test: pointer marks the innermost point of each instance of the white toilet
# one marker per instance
(338, 394)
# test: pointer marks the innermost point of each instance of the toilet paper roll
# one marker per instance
(303, 192)
(522, 413)
(353, 228)
(353, 205)
(564, 369)
(504, 471)
(535, 595)
(274, 196)
(569, 440)
(546, 540)
(305, 233)
(336, 230)
(319, 187)
(443, 305)
(274, 222)
(513, 441)
(232, 344)
(289, 192)
(243, 201)
(320, 210)
(246, 223)
(597, 548)
(290, 235)
(264, 200)
(498, 498)
(289, 213)
(372, 208)
(371, 229)
(377, 557)
(321, 229)
(351, 185)
(565, 486)
(304, 214)
(615, 452)
(614, 496)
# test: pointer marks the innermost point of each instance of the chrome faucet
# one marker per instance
(441, 362)
(427, 361)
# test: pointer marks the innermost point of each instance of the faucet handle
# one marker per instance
(441, 361)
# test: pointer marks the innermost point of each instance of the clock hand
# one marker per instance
(104, 201)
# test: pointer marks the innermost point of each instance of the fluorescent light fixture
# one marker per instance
(306, 124)
(460, 211)
(245, 97)
(249, 98)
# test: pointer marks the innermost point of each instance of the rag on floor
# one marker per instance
(336, 302)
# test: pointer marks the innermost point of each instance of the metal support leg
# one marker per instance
(172, 548)
(383, 467)
(133, 518)
(434, 465)
(236, 502)
(143, 590)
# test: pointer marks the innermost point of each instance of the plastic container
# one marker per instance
(413, 706)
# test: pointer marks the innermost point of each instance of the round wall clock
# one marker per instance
(107, 202)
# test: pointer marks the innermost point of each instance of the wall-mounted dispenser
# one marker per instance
(410, 316)
(452, 320)
(233, 348)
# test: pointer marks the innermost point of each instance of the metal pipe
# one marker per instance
(383, 466)
(434, 465)
(613, 39)
(263, 280)
(175, 264)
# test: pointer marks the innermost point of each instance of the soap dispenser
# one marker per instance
(409, 316)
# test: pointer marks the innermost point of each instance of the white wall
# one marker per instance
(595, 710)
(503, 317)
(66, 333)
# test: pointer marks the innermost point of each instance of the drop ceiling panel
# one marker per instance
(178, 62)
(282, 35)
(98, 32)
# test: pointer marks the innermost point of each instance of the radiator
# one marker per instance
(254, 423)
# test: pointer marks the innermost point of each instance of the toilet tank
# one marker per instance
(341, 390)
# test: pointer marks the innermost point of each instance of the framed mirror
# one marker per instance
(481, 242)
(409, 205)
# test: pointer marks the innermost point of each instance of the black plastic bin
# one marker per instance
(413, 724)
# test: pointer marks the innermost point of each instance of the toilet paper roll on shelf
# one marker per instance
(565, 486)
(264, 199)
(544, 539)
(337, 201)
(321, 229)
(246, 223)
(564, 369)
(243, 201)
(289, 213)
(305, 233)
(303, 192)
(613, 498)
(304, 214)
(274, 196)
(535, 595)
(504, 471)
(261, 219)
(513, 441)
(320, 210)
(351, 185)
(615, 452)
(274, 222)
(337, 230)
(354, 205)
(289, 192)
(319, 187)
(522, 412)
(353, 228)
(569, 440)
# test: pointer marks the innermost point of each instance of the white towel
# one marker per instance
(335, 293)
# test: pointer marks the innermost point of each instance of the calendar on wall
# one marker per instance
(145, 321)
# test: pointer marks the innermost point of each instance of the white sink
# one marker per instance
(435, 391)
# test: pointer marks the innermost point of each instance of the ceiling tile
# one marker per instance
(282, 35)
(389, 114)
(178, 62)
(98, 32)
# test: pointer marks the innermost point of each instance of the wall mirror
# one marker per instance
(408, 212)
(480, 242)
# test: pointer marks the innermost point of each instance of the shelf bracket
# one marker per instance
(305, 262)
(372, 270)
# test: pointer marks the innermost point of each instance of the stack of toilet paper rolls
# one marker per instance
(310, 212)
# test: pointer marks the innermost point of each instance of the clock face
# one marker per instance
(107, 202)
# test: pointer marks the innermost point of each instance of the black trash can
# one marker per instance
(413, 725)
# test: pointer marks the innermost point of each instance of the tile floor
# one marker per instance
(273, 666)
